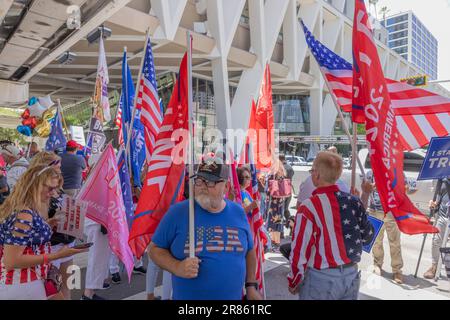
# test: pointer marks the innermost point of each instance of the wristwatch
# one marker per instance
(252, 284)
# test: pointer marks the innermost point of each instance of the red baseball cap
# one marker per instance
(73, 144)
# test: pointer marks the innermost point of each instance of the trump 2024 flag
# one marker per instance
(385, 149)
(103, 193)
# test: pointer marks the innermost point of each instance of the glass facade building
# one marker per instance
(413, 41)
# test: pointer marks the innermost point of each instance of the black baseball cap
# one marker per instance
(212, 168)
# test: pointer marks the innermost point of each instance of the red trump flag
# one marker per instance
(164, 182)
(261, 129)
(386, 155)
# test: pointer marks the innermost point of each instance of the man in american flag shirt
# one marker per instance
(330, 230)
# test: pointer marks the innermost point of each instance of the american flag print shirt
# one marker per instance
(330, 230)
(35, 238)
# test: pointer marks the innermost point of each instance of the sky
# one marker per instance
(435, 15)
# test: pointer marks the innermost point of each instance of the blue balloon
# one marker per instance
(25, 130)
(32, 101)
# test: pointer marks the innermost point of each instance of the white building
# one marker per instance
(409, 37)
(233, 39)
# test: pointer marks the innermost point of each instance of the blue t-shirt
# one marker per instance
(222, 242)
(72, 166)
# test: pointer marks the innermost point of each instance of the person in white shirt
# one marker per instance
(307, 187)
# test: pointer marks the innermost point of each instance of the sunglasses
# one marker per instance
(198, 182)
(55, 162)
(51, 189)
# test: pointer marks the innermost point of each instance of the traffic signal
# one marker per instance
(416, 81)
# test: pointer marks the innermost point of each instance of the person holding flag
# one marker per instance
(330, 230)
(371, 104)
(225, 258)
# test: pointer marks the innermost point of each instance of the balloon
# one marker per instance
(26, 114)
(32, 101)
(26, 131)
(43, 128)
(46, 102)
(48, 115)
(36, 110)
(30, 122)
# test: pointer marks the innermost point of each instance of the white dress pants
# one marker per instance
(98, 257)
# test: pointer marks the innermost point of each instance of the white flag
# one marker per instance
(102, 75)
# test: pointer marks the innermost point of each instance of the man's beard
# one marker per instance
(208, 203)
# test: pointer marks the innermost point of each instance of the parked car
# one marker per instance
(295, 160)
(420, 192)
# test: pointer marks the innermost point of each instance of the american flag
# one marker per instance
(119, 122)
(148, 101)
(164, 180)
(214, 237)
(330, 229)
(420, 114)
(256, 220)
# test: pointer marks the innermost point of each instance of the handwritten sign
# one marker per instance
(72, 213)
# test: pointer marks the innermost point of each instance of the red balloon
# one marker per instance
(26, 114)
(30, 122)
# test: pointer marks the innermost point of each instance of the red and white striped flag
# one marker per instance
(256, 220)
(164, 182)
(420, 114)
(148, 101)
(119, 123)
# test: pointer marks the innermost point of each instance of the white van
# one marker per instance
(295, 160)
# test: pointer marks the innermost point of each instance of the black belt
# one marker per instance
(345, 266)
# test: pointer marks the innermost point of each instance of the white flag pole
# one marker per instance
(191, 147)
(354, 157)
(344, 125)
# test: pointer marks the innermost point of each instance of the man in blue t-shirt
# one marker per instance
(225, 261)
(72, 166)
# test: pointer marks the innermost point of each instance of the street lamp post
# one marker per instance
(439, 81)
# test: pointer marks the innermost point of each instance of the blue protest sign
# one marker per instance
(377, 224)
(437, 161)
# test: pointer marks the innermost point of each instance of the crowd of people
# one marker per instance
(327, 232)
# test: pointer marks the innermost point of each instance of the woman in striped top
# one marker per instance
(25, 232)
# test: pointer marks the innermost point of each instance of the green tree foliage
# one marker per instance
(12, 135)
(361, 129)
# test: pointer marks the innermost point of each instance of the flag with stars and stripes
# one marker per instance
(420, 114)
(255, 219)
(164, 181)
(383, 139)
(330, 230)
(119, 123)
(148, 101)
